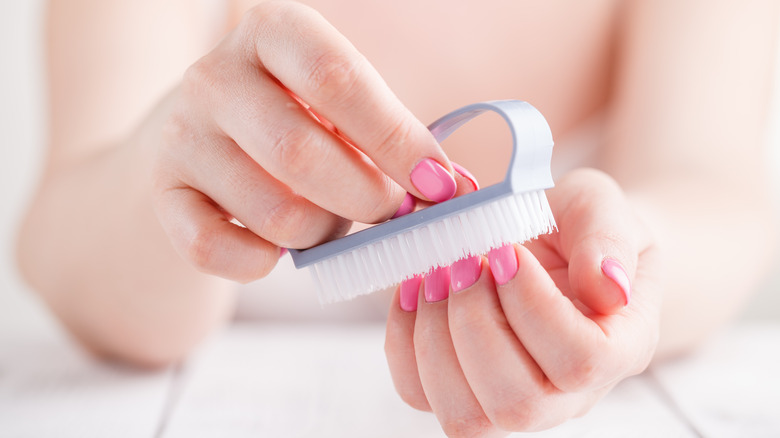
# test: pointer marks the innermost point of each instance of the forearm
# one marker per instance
(685, 141)
(715, 239)
(94, 250)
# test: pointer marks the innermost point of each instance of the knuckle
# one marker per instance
(524, 416)
(471, 425)
(390, 141)
(379, 206)
(297, 152)
(267, 12)
(464, 323)
(415, 399)
(285, 221)
(268, 18)
(200, 77)
(260, 269)
(424, 347)
(333, 77)
(176, 129)
(181, 145)
(257, 15)
(200, 249)
(583, 373)
(331, 74)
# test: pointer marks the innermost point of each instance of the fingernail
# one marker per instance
(464, 172)
(409, 290)
(465, 272)
(503, 263)
(282, 252)
(433, 180)
(407, 206)
(615, 271)
(437, 285)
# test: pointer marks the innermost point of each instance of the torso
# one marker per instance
(439, 55)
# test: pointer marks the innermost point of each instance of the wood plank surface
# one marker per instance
(50, 388)
(277, 380)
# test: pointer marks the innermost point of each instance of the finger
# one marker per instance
(443, 381)
(286, 140)
(511, 388)
(218, 168)
(465, 183)
(203, 235)
(399, 345)
(321, 66)
(600, 237)
(572, 350)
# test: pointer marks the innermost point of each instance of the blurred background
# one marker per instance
(23, 137)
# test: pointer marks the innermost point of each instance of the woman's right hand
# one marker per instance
(287, 128)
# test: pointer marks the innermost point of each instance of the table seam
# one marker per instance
(656, 386)
(172, 397)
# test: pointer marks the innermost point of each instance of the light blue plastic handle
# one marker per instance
(529, 170)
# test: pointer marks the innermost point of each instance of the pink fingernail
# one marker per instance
(465, 272)
(410, 289)
(615, 271)
(282, 252)
(503, 263)
(433, 180)
(464, 172)
(437, 285)
(407, 206)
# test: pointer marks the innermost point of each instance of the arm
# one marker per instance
(687, 146)
(120, 237)
(91, 244)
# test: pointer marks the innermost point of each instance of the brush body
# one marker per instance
(512, 211)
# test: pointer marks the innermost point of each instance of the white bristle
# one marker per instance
(512, 219)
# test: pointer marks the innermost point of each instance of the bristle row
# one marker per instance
(513, 219)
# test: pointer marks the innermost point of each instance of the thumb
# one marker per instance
(600, 238)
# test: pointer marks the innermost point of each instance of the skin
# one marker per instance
(160, 138)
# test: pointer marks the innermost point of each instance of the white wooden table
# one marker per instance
(275, 380)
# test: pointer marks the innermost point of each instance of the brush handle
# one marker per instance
(532, 143)
(529, 170)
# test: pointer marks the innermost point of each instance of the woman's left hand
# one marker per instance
(532, 335)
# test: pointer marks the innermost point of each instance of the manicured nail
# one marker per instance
(465, 272)
(282, 252)
(410, 289)
(503, 263)
(407, 206)
(437, 285)
(615, 271)
(464, 172)
(433, 180)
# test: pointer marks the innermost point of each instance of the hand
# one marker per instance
(286, 128)
(532, 335)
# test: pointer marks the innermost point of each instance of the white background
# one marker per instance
(22, 140)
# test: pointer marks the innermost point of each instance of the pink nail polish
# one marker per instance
(433, 180)
(465, 272)
(410, 289)
(407, 206)
(615, 271)
(282, 252)
(437, 285)
(464, 172)
(503, 263)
